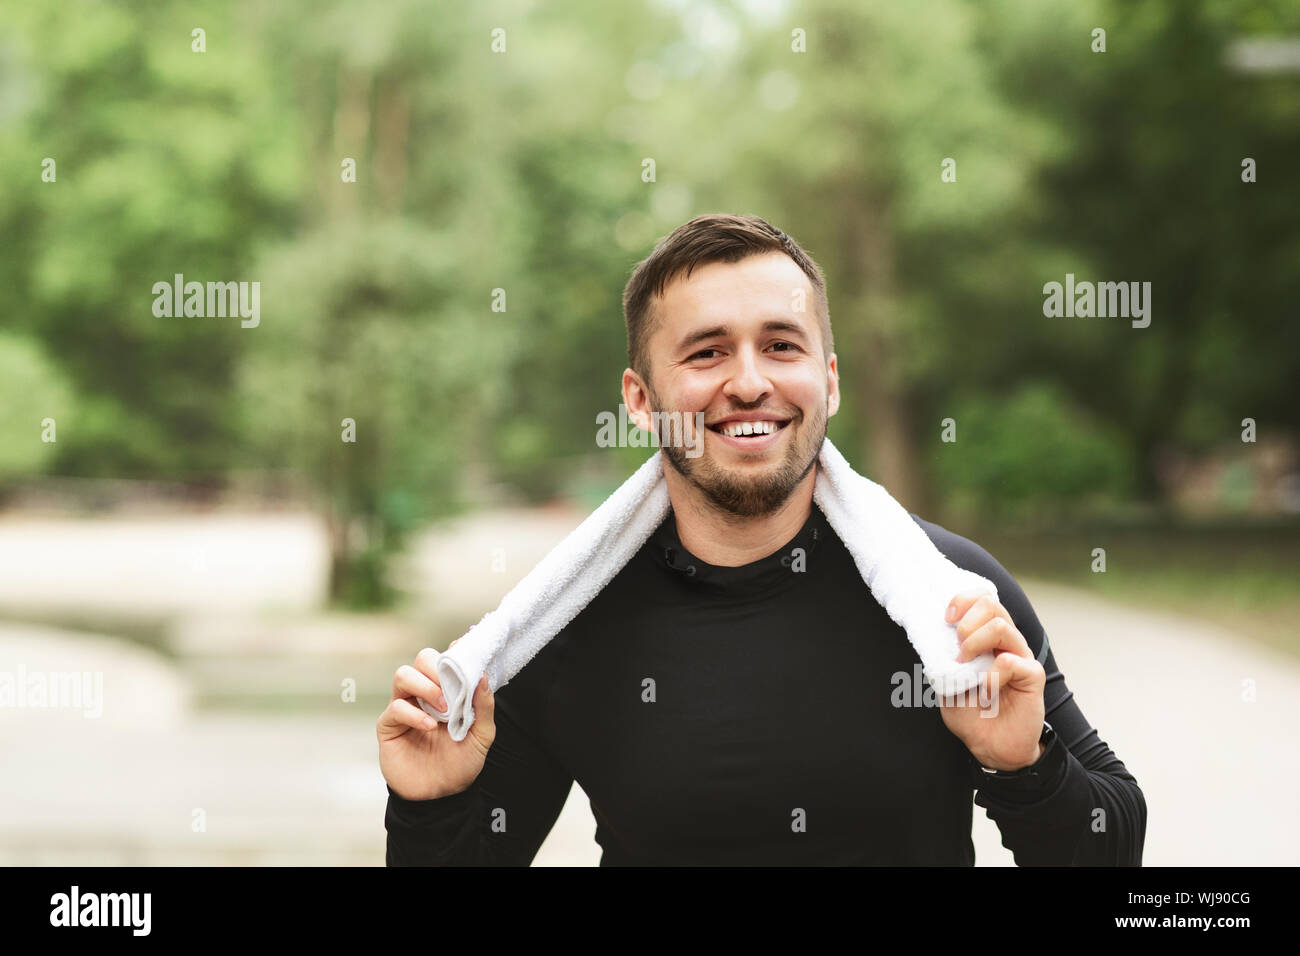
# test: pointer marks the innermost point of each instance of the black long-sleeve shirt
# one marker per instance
(669, 699)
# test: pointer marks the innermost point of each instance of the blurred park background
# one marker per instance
(180, 510)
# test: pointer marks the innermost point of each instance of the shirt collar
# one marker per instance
(764, 574)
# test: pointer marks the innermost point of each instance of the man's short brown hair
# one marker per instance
(716, 237)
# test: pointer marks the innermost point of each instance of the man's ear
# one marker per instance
(832, 387)
(636, 398)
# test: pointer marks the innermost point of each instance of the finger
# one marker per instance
(1024, 673)
(408, 682)
(485, 703)
(997, 634)
(982, 610)
(1010, 672)
(484, 729)
(961, 604)
(426, 662)
(401, 714)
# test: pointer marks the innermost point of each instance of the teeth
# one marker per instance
(736, 429)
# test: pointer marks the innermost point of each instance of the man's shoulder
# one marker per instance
(966, 554)
(961, 551)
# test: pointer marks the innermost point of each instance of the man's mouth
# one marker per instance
(756, 428)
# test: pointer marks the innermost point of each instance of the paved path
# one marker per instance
(152, 566)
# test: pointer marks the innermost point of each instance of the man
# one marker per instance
(661, 697)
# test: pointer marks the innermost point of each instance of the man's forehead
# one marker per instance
(763, 275)
(756, 288)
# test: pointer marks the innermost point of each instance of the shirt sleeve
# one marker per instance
(503, 817)
(1078, 805)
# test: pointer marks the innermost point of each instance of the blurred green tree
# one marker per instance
(516, 176)
(33, 390)
(166, 161)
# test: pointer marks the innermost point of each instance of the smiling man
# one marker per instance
(662, 698)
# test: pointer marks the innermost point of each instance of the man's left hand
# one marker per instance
(1001, 723)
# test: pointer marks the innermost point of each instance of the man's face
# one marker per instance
(729, 343)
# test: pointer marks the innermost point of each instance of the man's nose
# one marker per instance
(748, 384)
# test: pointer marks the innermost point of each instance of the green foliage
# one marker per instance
(32, 389)
(368, 337)
(167, 163)
(521, 171)
(1030, 455)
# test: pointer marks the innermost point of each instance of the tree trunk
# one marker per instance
(881, 406)
(340, 554)
(351, 139)
(873, 377)
(391, 130)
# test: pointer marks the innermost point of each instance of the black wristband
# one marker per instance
(1032, 777)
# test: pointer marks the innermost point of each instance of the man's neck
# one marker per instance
(726, 540)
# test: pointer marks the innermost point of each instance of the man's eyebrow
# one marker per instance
(723, 331)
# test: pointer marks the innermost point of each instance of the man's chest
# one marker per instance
(735, 718)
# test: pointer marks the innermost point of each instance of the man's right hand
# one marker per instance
(417, 756)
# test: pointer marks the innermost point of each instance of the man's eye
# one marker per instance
(787, 344)
(702, 352)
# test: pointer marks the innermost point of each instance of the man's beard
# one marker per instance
(751, 496)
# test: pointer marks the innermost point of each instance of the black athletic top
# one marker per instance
(671, 700)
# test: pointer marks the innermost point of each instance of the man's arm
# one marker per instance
(1078, 805)
(505, 814)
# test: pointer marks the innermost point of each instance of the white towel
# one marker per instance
(906, 573)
